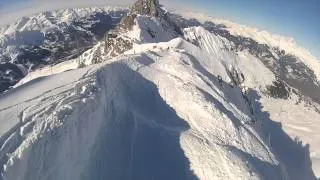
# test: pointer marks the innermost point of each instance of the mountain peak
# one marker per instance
(146, 7)
(141, 7)
(153, 22)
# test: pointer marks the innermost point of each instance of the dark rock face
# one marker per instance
(236, 77)
(81, 34)
(278, 90)
(34, 55)
(146, 7)
(9, 73)
(149, 8)
(297, 74)
(115, 44)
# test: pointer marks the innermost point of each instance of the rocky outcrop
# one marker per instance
(116, 41)
(149, 8)
(278, 90)
(146, 7)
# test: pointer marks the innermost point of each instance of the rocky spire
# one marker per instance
(116, 43)
(141, 7)
(146, 7)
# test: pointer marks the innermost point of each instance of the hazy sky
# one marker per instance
(295, 18)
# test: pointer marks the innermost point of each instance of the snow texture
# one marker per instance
(169, 108)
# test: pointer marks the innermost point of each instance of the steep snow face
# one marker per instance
(263, 37)
(218, 48)
(286, 43)
(150, 30)
(288, 68)
(162, 113)
(297, 114)
(300, 120)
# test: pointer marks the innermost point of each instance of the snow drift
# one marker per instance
(140, 117)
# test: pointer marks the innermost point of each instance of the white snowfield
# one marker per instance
(163, 110)
(138, 116)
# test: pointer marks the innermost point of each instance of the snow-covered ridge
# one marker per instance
(178, 67)
(89, 57)
(167, 107)
(164, 105)
(286, 43)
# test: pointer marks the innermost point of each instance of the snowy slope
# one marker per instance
(118, 120)
(299, 117)
(172, 88)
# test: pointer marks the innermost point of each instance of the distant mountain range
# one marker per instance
(49, 38)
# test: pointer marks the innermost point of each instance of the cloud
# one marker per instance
(317, 53)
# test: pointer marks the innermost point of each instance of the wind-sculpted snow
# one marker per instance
(111, 135)
(158, 114)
